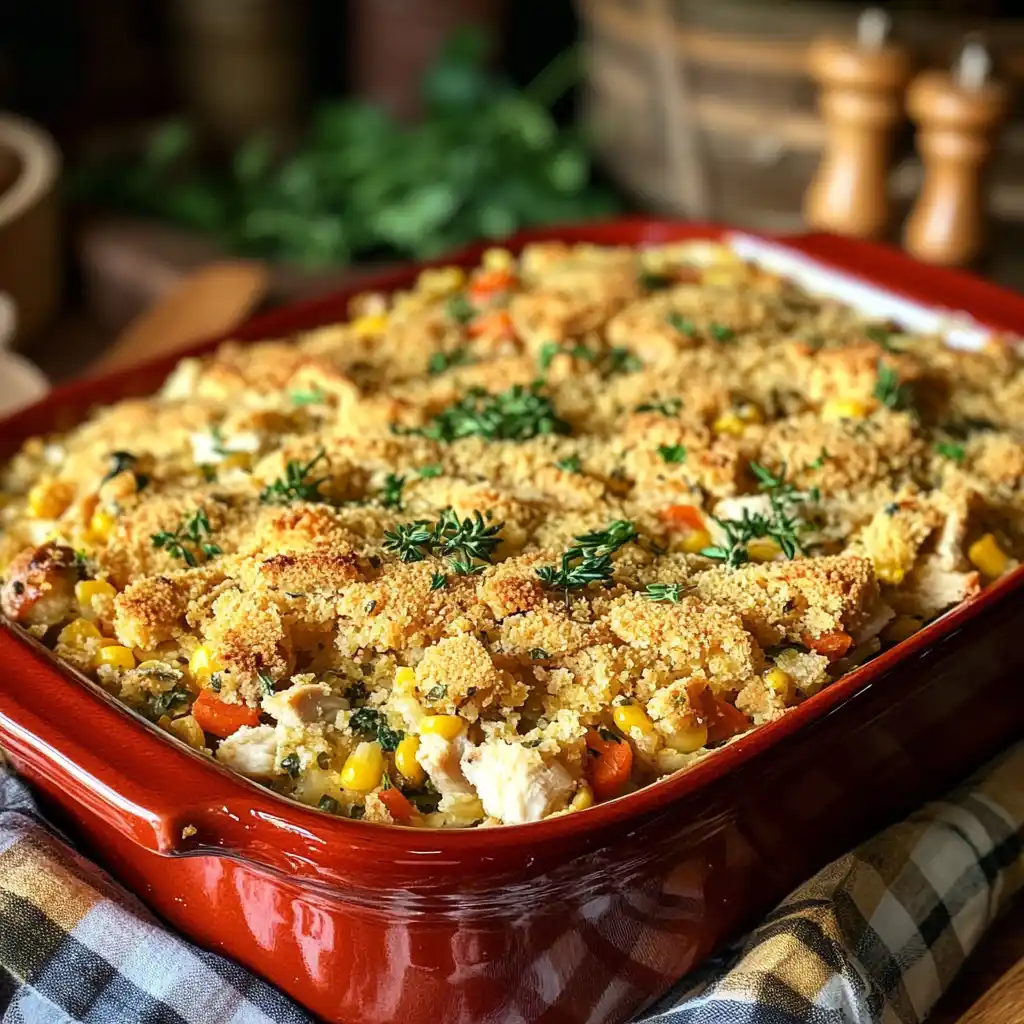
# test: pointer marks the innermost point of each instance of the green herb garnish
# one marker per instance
(518, 414)
(266, 682)
(410, 541)
(312, 397)
(653, 282)
(471, 537)
(721, 333)
(292, 765)
(438, 581)
(952, 451)
(458, 307)
(890, 391)
(441, 361)
(819, 461)
(164, 702)
(570, 464)
(621, 360)
(539, 654)
(589, 560)
(370, 724)
(328, 804)
(297, 483)
(188, 541)
(667, 407)
(672, 452)
(548, 351)
(684, 325)
(670, 592)
(428, 472)
(391, 493)
(436, 693)
(120, 462)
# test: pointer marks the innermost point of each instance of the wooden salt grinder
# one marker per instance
(957, 115)
(861, 101)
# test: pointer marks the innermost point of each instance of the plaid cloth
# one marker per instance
(874, 938)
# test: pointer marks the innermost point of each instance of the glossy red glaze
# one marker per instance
(586, 917)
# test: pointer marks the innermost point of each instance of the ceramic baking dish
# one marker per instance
(586, 917)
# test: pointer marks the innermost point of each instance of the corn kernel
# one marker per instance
(686, 741)
(446, 726)
(748, 412)
(115, 656)
(78, 633)
(369, 325)
(763, 549)
(202, 664)
(696, 541)
(630, 716)
(902, 628)
(188, 730)
(50, 498)
(440, 281)
(364, 768)
(780, 682)
(101, 524)
(88, 592)
(583, 798)
(890, 572)
(843, 409)
(405, 679)
(406, 763)
(988, 557)
(729, 423)
(236, 460)
(497, 259)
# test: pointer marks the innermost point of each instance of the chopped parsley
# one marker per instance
(548, 351)
(881, 335)
(819, 461)
(580, 351)
(189, 541)
(356, 812)
(683, 324)
(672, 452)
(391, 493)
(952, 451)
(667, 407)
(653, 282)
(441, 361)
(670, 592)
(890, 391)
(328, 804)
(428, 472)
(436, 693)
(175, 698)
(370, 724)
(539, 654)
(312, 397)
(621, 360)
(298, 482)
(570, 464)
(721, 333)
(517, 414)
(459, 308)
(292, 765)
(266, 682)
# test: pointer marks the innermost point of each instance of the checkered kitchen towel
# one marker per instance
(876, 936)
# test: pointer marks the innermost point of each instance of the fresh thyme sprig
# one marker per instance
(391, 492)
(670, 592)
(297, 484)
(667, 407)
(188, 541)
(570, 464)
(517, 414)
(441, 361)
(412, 542)
(465, 541)
(890, 391)
(589, 560)
(621, 360)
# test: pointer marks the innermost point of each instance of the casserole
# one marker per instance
(530, 921)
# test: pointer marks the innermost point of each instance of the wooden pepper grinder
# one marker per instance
(861, 101)
(957, 114)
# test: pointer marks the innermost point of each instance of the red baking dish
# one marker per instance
(586, 917)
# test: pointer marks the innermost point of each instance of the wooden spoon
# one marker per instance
(204, 303)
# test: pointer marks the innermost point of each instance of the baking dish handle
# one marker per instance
(65, 736)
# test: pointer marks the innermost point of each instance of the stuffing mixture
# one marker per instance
(522, 540)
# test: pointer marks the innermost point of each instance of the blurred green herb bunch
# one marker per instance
(485, 160)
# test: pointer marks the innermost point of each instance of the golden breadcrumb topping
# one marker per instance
(521, 539)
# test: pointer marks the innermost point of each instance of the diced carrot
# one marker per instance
(609, 765)
(395, 801)
(495, 323)
(832, 645)
(491, 282)
(725, 722)
(682, 517)
(220, 719)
